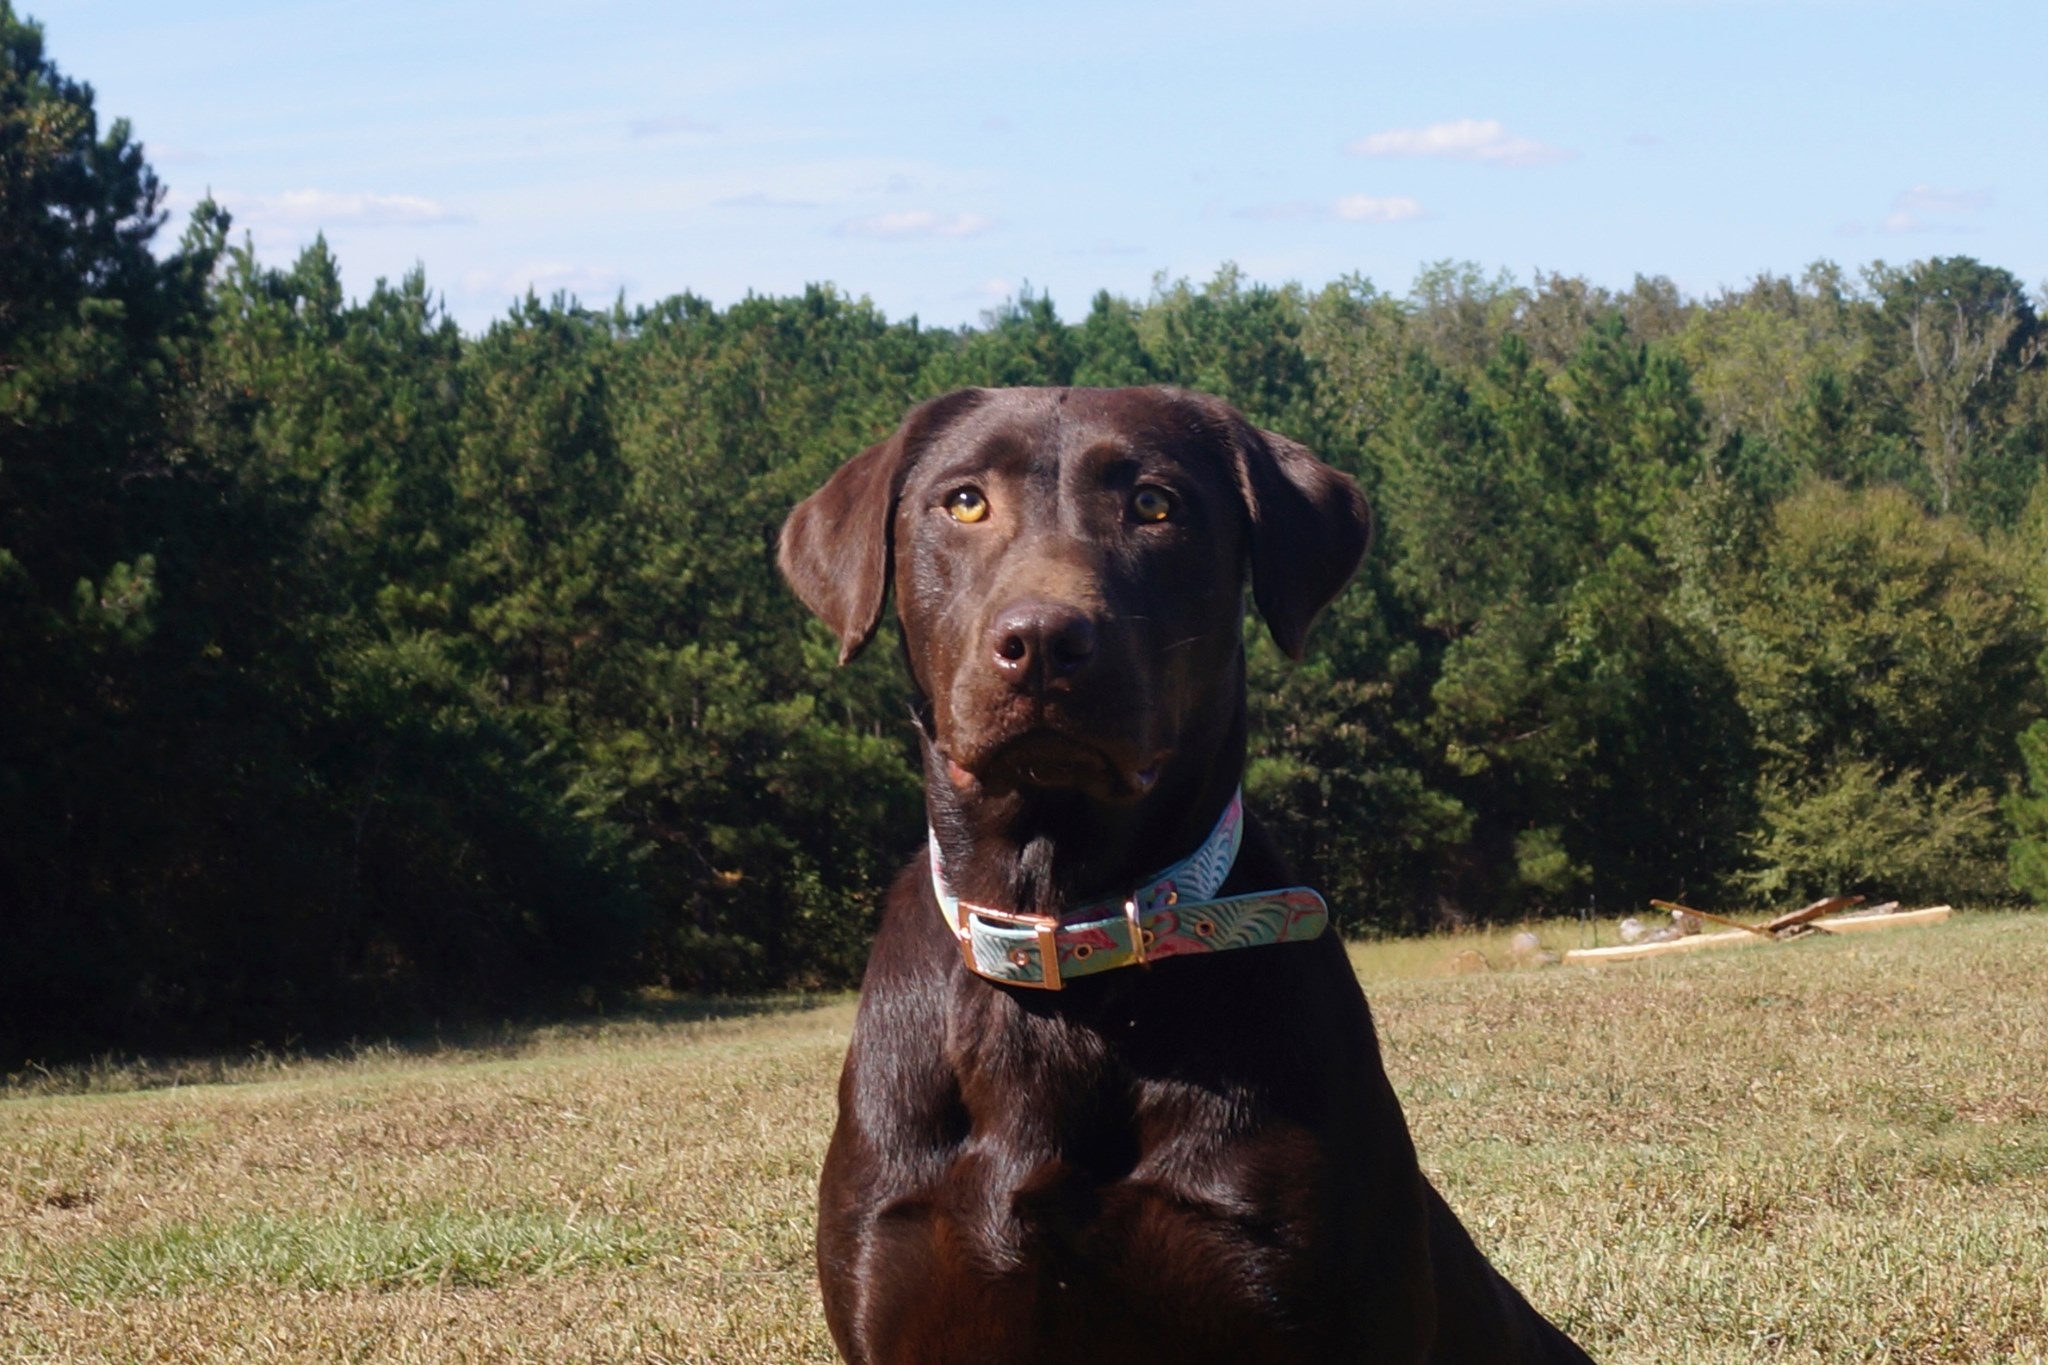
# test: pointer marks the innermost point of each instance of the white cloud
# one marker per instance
(325, 208)
(1364, 208)
(913, 223)
(1469, 139)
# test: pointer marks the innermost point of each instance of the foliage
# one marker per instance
(359, 672)
(2029, 815)
(1854, 828)
(1869, 630)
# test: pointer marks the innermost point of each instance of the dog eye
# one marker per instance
(1152, 503)
(966, 504)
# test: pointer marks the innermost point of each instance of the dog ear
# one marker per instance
(1310, 527)
(836, 546)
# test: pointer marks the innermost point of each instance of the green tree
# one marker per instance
(770, 791)
(1458, 314)
(1355, 339)
(1882, 651)
(1022, 342)
(1109, 351)
(1238, 340)
(1763, 357)
(1958, 334)
(2027, 810)
(359, 673)
(1591, 732)
(102, 502)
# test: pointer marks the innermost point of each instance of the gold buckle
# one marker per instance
(1044, 926)
(1137, 924)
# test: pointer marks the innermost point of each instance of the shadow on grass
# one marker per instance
(647, 1014)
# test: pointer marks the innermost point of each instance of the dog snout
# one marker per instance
(1036, 645)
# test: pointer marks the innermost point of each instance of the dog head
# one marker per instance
(1069, 566)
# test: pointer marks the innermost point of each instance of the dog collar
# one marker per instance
(1172, 914)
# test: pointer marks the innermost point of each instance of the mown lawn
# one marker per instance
(1823, 1151)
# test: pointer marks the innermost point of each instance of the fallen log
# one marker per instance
(1826, 905)
(1629, 952)
(1856, 924)
(1790, 920)
(1723, 920)
(1836, 924)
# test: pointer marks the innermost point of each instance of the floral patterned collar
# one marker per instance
(1172, 914)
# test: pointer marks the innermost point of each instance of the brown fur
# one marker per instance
(1196, 1161)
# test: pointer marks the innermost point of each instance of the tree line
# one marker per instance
(356, 673)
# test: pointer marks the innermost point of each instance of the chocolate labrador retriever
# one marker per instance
(1113, 1095)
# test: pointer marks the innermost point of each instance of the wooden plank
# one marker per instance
(1856, 924)
(1629, 952)
(1722, 920)
(1838, 924)
(1810, 913)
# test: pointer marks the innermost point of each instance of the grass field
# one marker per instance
(1823, 1151)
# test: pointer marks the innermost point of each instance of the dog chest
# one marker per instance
(1048, 1265)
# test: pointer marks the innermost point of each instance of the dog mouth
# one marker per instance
(1049, 760)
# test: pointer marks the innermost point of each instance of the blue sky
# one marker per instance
(936, 157)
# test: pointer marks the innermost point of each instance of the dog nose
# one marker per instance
(1035, 644)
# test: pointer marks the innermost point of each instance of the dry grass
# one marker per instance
(1827, 1151)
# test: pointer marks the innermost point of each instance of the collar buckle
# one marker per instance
(1044, 927)
(1137, 922)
